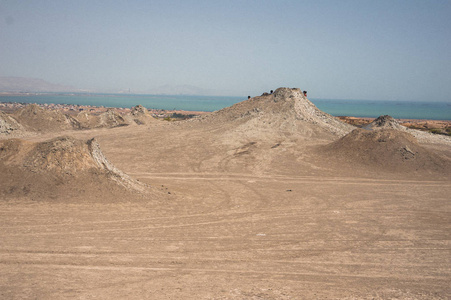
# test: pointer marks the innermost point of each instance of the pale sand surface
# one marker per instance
(253, 213)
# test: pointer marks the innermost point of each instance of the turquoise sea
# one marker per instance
(335, 107)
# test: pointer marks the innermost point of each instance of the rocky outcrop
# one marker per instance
(8, 125)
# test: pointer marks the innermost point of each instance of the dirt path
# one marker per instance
(235, 237)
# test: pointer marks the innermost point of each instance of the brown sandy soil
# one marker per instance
(258, 209)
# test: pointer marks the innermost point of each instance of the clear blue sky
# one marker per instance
(347, 49)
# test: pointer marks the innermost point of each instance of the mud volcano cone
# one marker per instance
(387, 150)
(286, 111)
(59, 168)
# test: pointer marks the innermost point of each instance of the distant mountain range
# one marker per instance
(21, 85)
(37, 85)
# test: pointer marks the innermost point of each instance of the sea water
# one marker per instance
(336, 107)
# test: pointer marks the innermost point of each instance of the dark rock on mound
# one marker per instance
(139, 110)
(387, 150)
(60, 168)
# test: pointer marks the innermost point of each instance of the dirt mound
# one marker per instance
(60, 155)
(87, 120)
(387, 122)
(387, 149)
(8, 125)
(287, 110)
(139, 110)
(140, 115)
(35, 118)
(62, 165)
(109, 119)
(384, 122)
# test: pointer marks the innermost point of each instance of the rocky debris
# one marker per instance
(34, 118)
(387, 149)
(8, 125)
(407, 153)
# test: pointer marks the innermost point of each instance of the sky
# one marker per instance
(347, 49)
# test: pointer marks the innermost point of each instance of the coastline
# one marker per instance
(74, 109)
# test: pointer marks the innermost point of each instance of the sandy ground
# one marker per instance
(259, 217)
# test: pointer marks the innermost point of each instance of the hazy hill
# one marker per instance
(22, 84)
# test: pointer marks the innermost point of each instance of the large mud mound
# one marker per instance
(37, 119)
(387, 149)
(287, 110)
(58, 166)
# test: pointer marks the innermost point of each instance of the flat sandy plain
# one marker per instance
(244, 204)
